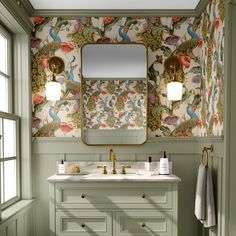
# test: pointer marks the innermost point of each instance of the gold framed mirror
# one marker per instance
(114, 94)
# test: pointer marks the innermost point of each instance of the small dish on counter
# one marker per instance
(73, 169)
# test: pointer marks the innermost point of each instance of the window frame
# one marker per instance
(11, 116)
(9, 74)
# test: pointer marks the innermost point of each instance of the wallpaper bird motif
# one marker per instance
(197, 42)
(114, 104)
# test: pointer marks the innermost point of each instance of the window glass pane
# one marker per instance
(3, 50)
(2, 191)
(9, 177)
(3, 94)
(9, 138)
(1, 142)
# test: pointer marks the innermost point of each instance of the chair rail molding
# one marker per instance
(153, 145)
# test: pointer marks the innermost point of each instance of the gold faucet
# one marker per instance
(113, 160)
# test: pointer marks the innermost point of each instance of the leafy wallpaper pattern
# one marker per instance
(114, 104)
(212, 66)
(197, 42)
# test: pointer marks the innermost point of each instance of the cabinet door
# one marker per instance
(143, 223)
(83, 223)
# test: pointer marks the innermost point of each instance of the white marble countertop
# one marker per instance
(90, 173)
(114, 178)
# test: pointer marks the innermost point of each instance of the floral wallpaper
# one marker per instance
(114, 104)
(197, 42)
(212, 68)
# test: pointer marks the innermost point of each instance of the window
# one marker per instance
(9, 127)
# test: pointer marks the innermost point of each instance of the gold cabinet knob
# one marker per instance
(104, 169)
(123, 171)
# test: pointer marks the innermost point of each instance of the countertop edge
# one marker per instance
(79, 178)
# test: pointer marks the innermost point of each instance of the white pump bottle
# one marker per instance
(164, 165)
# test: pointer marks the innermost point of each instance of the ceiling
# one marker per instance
(114, 4)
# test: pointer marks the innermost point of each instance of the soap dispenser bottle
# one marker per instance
(164, 165)
(65, 164)
(148, 164)
(61, 167)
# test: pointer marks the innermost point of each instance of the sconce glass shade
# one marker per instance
(53, 90)
(174, 91)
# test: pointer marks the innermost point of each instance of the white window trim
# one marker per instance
(9, 76)
(11, 116)
(18, 22)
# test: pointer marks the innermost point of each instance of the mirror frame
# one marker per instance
(81, 96)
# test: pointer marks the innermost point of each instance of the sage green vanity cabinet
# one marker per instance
(145, 223)
(114, 208)
(84, 223)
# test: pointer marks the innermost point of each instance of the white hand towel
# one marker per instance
(200, 198)
(210, 219)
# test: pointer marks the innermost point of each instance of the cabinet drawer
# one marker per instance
(84, 223)
(73, 196)
(143, 223)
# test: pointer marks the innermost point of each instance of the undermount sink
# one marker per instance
(132, 174)
(111, 176)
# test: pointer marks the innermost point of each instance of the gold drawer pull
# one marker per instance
(143, 225)
(82, 195)
(83, 225)
(144, 195)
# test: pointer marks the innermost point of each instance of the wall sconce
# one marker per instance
(174, 78)
(53, 88)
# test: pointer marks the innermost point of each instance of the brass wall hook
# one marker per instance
(211, 148)
(205, 154)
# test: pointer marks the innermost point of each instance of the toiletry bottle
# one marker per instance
(164, 165)
(148, 164)
(61, 168)
(65, 164)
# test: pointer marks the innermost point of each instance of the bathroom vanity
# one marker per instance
(113, 205)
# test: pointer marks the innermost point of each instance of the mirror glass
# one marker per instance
(114, 94)
(111, 61)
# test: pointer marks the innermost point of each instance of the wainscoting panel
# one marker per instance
(216, 165)
(185, 155)
(20, 224)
